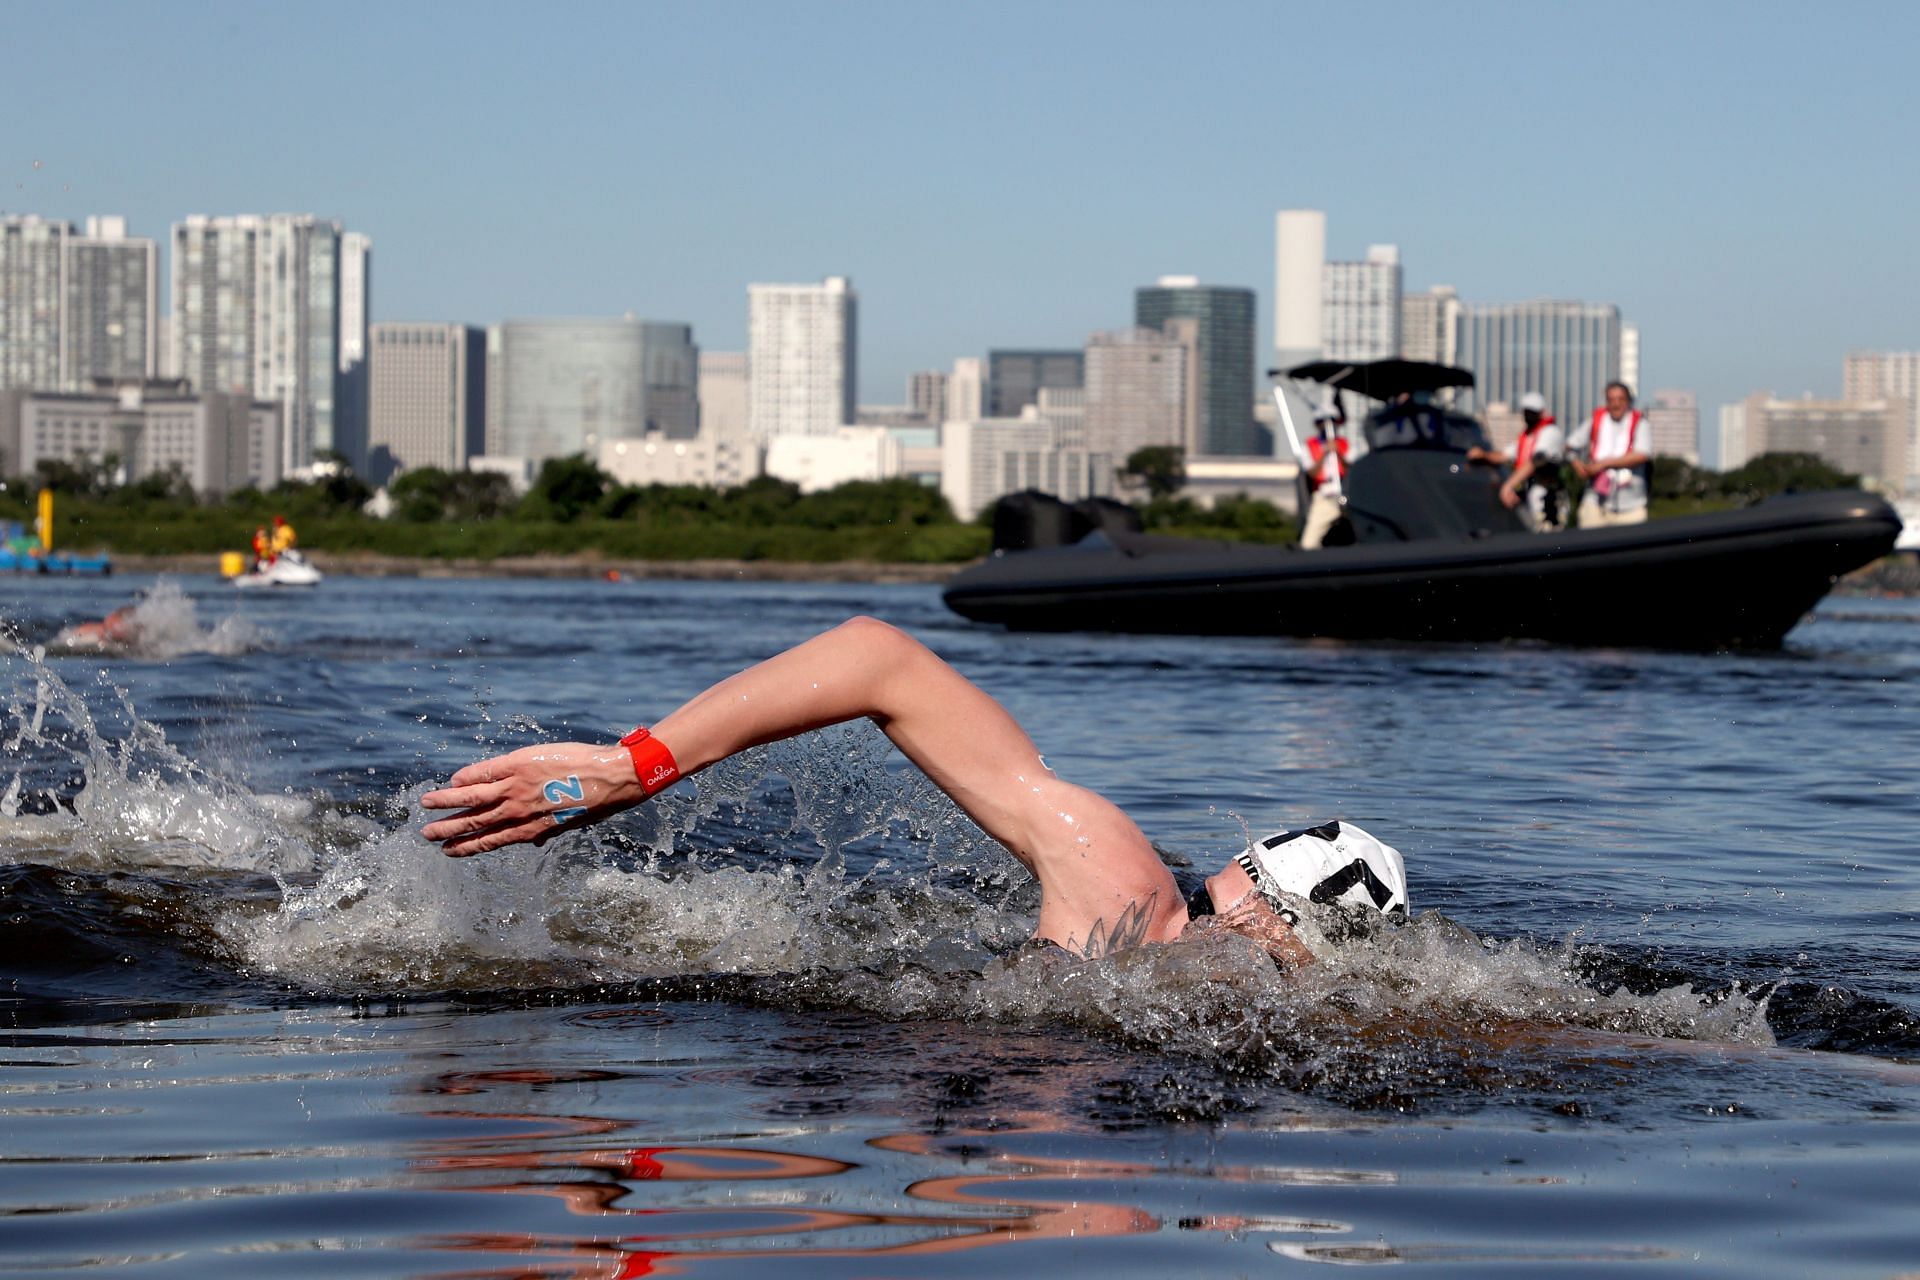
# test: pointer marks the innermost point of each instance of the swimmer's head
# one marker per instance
(1332, 864)
(1305, 891)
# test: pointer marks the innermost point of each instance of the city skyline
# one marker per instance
(1750, 230)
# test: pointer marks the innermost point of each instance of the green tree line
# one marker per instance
(574, 507)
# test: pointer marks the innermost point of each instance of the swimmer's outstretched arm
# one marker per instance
(1102, 885)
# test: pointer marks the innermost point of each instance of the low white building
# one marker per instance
(1210, 479)
(218, 442)
(816, 462)
(983, 460)
(517, 470)
(705, 460)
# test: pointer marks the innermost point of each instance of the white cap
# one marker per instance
(1337, 862)
(1533, 400)
(1326, 413)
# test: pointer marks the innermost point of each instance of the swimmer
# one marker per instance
(1103, 888)
(117, 631)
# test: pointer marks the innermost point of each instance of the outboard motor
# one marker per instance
(1031, 520)
(1105, 515)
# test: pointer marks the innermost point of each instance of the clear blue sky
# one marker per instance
(1741, 179)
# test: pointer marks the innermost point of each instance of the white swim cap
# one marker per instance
(1337, 862)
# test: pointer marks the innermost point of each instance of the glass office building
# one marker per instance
(560, 387)
(1225, 364)
(1015, 378)
(1566, 351)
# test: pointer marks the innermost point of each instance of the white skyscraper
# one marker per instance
(802, 351)
(356, 325)
(1299, 291)
(1630, 358)
(1429, 324)
(257, 308)
(1730, 443)
(1888, 375)
(1361, 315)
(967, 389)
(74, 306)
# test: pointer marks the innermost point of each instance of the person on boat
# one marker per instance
(1326, 469)
(262, 548)
(283, 537)
(1103, 887)
(1611, 456)
(1534, 486)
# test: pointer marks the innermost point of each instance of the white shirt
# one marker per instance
(1621, 488)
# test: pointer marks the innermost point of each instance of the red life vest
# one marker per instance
(1317, 451)
(1600, 415)
(1523, 447)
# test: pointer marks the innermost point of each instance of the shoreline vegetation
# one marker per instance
(576, 522)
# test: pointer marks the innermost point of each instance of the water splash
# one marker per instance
(163, 624)
(776, 870)
(82, 796)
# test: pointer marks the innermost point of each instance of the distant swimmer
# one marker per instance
(118, 631)
(1103, 888)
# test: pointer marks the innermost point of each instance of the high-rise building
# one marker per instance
(257, 308)
(802, 357)
(1429, 324)
(1673, 422)
(967, 390)
(1361, 319)
(723, 395)
(1888, 375)
(1867, 438)
(1066, 409)
(75, 306)
(1729, 451)
(427, 397)
(1630, 357)
(32, 297)
(1142, 389)
(352, 415)
(1566, 351)
(927, 395)
(1224, 343)
(557, 387)
(1015, 378)
(1299, 288)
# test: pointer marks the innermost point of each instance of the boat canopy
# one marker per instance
(1380, 379)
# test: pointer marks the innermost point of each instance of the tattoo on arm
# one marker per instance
(1130, 930)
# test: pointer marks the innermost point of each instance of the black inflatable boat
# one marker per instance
(1435, 556)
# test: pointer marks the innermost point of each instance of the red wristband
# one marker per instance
(653, 764)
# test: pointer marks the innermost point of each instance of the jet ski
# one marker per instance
(1430, 554)
(288, 569)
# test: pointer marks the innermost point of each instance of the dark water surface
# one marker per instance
(1660, 1005)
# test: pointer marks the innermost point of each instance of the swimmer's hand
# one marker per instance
(528, 795)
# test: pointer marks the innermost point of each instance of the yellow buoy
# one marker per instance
(46, 519)
(232, 564)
